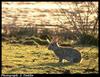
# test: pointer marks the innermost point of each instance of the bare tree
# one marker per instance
(83, 18)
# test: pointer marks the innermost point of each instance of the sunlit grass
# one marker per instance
(24, 59)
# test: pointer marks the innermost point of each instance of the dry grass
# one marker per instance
(24, 59)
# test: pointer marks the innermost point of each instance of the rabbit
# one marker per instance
(68, 53)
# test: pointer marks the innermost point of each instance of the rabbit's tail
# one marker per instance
(81, 60)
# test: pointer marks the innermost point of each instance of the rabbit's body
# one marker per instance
(68, 53)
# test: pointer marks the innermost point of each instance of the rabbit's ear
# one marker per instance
(55, 39)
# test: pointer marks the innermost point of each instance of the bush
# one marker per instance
(45, 37)
(86, 39)
(23, 32)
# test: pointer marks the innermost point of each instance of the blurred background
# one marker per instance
(28, 28)
(76, 21)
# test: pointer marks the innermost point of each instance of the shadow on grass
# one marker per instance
(55, 64)
(19, 67)
(40, 66)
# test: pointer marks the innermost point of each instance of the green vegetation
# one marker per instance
(27, 32)
(32, 59)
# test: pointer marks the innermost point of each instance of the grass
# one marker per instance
(24, 59)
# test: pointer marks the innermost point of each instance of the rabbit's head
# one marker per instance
(53, 44)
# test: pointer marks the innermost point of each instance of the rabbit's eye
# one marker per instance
(52, 44)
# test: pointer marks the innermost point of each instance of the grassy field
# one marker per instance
(25, 59)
